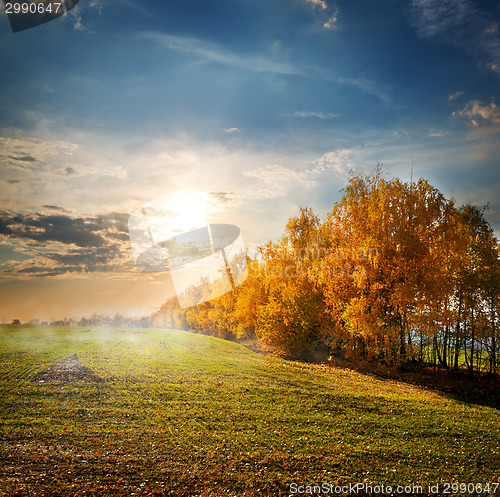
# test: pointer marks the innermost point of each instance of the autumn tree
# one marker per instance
(293, 319)
(396, 240)
(396, 272)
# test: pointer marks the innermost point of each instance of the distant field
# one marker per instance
(186, 414)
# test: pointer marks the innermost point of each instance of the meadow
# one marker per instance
(184, 414)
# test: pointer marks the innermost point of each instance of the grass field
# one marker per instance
(186, 414)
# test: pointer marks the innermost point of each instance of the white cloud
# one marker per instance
(435, 17)
(330, 14)
(337, 161)
(211, 52)
(365, 85)
(33, 159)
(279, 180)
(96, 4)
(22, 151)
(37, 171)
(76, 14)
(459, 23)
(117, 171)
(208, 52)
(319, 115)
(436, 133)
(77, 20)
(332, 21)
(485, 117)
(455, 95)
(493, 66)
(231, 130)
(318, 3)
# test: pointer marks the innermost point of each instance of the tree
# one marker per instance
(396, 272)
(292, 319)
(398, 241)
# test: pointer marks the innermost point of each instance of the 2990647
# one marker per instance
(33, 8)
(469, 488)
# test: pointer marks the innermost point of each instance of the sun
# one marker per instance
(191, 210)
(177, 213)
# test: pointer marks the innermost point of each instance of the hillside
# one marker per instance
(175, 413)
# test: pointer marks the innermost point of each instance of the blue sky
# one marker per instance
(270, 102)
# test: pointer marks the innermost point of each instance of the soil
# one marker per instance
(68, 370)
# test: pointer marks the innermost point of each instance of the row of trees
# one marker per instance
(395, 272)
(93, 320)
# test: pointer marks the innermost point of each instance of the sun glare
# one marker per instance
(178, 213)
(191, 210)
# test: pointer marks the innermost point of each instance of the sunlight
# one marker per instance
(176, 213)
(190, 210)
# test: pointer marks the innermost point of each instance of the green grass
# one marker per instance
(479, 355)
(186, 414)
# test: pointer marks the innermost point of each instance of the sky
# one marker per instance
(262, 106)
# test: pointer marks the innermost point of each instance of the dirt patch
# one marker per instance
(68, 370)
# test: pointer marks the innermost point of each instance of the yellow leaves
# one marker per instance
(384, 266)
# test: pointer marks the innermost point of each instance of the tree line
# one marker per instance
(395, 272)
(94, 319)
